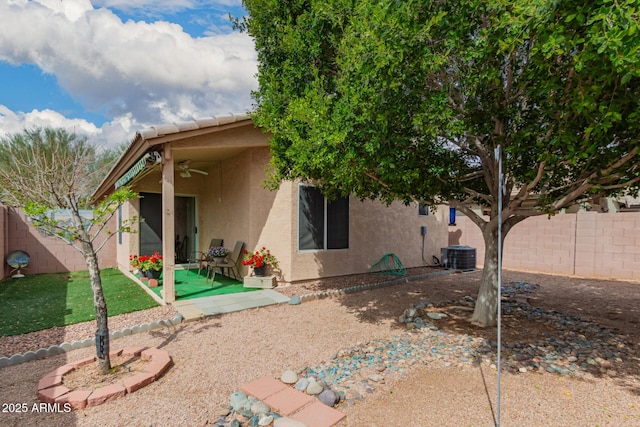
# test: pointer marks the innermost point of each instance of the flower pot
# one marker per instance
(219, 259)
(260, 271)
(152, 274)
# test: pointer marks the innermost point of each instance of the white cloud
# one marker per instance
(144, 73)
(111, 134)
(164, 6)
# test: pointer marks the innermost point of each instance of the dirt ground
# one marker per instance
(213, 357)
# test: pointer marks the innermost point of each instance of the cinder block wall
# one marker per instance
(583, 244)
(50, 254)
(3, 239)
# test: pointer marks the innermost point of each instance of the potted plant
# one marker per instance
(218, 253)
(259, 260)
(149, 265)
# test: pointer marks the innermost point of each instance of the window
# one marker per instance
(322, 224)
(423, 209)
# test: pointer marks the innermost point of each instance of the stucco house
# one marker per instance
(203, 179)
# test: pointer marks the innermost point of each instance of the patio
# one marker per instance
(198, 297)
(188, 285)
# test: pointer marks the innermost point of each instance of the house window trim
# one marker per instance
(326, 228)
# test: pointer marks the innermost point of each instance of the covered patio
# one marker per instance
(193, 179)
(205, 179)
(188, 284)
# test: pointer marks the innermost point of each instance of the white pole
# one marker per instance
(499, 349)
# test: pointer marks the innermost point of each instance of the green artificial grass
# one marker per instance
(42, 301)
(189, 285)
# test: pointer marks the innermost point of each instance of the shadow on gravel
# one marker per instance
(169, 334)
(557, 327)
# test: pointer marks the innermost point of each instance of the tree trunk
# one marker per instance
(100, 305)
(486, 310)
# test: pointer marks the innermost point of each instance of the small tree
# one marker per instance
(409, 100)
(45, 170)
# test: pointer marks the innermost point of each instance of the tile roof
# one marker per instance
(143, 140)
(193, 124)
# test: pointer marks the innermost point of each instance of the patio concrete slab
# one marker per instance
(189, 310)
(198, 308)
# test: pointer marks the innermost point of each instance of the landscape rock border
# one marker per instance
(51, 387)
(326, 294)
(53, 350)
(282, 402)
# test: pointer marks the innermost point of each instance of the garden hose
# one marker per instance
(390, 265)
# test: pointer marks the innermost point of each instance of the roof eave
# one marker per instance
(161, 134)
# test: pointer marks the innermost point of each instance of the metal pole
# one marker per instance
(499, 349)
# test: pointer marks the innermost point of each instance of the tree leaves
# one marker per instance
(406, 100)
(45, 170)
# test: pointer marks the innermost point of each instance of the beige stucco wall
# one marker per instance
(261, 217)
(590, 244)
(374, 230)
(233, 204)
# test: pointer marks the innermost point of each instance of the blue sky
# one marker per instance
(107, 68)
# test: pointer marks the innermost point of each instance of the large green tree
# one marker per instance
(409, 100)
(44, 171)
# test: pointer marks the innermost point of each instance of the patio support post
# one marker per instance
(168, 226)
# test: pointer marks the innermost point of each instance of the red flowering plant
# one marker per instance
(259, 258)
(146, 262)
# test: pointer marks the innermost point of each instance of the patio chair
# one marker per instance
(202, 258)
(230, 263)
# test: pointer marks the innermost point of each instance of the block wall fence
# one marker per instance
(589, 244)
(48, 254)
(4, 239)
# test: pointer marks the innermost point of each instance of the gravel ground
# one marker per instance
(43, 339)
(214, 357)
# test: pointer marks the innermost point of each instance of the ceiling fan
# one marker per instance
(185, 170)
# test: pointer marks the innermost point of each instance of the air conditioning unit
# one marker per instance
(458, 257)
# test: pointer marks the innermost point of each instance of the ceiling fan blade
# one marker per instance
(198, 171)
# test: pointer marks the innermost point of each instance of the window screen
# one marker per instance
(322, 224)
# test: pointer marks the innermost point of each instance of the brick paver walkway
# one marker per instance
(293, 403)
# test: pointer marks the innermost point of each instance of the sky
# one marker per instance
(107, 68)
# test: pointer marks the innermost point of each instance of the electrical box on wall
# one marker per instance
(423, 230)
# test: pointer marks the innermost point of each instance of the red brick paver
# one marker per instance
(293, 404)
(49, 395)
(319, 415)
(106, 394)
(51, 387)
(133, 351)
(138, 381)
(81, 362)
(62, 370)
(288, 401)
(50, 381)
(263, 387)
(77, 399)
